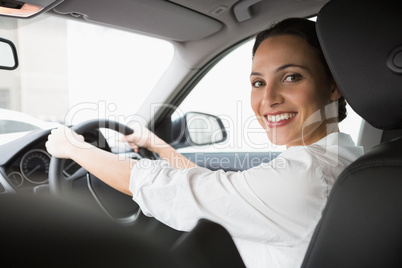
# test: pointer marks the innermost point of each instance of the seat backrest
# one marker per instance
(45, 231)
(207, 245)
(361, 225)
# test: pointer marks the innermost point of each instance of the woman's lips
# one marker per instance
(279, 119)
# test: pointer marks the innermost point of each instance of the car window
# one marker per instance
(71, 71)
(225, 92)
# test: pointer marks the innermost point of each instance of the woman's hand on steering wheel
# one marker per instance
(143, 137)
(62, 139)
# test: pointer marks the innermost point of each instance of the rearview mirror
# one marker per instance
(197, 129)
(8, 55)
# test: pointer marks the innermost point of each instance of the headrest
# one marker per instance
(362, 42)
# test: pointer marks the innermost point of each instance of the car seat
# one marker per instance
(208, 244)
(45, 231)
(361, 225)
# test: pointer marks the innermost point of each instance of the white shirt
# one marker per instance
(270, 210)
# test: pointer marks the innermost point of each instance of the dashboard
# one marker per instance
(31, 168)
(24, 163)
(24, 168)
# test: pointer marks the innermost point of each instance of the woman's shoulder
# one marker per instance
(331, 149)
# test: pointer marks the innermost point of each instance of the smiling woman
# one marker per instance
(270, 210)
(290, 90)
(266, 184)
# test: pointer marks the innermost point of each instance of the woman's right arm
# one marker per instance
(110, 168)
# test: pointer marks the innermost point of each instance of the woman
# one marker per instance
(270, 210)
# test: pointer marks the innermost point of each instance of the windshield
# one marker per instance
(72, 71)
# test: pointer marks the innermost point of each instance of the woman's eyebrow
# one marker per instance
(290, 65)
(256, 74)
(283, 67)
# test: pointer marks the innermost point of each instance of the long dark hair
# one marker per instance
(305, 29)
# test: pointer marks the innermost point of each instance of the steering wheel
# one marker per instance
(106, 197)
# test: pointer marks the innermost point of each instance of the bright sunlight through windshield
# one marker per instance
(78, 71)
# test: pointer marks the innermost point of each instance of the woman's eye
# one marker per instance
(292, 78)
(258, 84)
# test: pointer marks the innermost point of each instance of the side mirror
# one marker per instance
(197, 129)
(8, 55)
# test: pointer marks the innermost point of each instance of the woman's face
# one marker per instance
(289, 86)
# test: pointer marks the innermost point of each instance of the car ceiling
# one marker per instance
(204, 27)
(201, 31)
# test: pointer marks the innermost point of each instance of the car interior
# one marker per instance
(72, 218)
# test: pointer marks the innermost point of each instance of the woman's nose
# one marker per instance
(272, 96)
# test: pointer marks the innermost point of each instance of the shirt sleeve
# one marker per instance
(264, 204)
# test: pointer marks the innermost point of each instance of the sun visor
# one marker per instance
(153, 17)
(362, 42)
(26, 9)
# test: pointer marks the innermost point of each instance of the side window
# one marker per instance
(225, 92)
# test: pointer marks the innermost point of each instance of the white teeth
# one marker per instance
(279, 117)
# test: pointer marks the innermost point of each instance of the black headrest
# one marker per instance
(362, 42)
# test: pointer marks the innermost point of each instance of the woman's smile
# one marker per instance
(279, 119)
